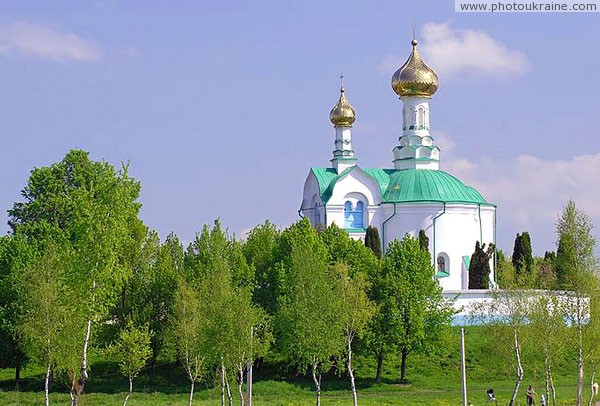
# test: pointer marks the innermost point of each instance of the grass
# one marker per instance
(433, 381)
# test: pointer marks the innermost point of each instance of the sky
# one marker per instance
(221, 107)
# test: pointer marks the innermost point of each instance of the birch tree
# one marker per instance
(132, 351)
(356, 311)
(576, 269)
(94, 207)
(187, 326)
(506, 317)
(309, 327)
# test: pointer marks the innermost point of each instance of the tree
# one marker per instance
(148, 295)
(259, 251)
(372, 241)
(45, 323)
(522, 257)
(411, 300)
(187, 329)
(132, 350)
(548, 333)
(506, 317)
(309, 328)
(423, 240)
(13, 253)
(575, 270)
(94, 208)
(356, 312)
(479, 268)
(575, 253)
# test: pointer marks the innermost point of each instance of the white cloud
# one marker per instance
(452, 51)
(530, 192)
(46, 43)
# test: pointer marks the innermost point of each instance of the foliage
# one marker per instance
(94, 209)
(372, 241)
(308, 323)
(575, 253)
(479, 267)
(132, 351)
(150, 291)
(259, 251)
(522, 257)
(423, 240)
(411, 301)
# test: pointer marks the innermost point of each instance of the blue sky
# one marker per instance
(221, 107)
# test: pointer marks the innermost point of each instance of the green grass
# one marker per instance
(434, 380)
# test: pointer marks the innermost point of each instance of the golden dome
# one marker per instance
(415, 78)
(342, 114)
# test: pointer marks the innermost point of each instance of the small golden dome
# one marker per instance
(342, 114)
(415, 78)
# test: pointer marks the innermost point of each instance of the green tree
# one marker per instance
(575, 253)
(506, 317)
(94, 207)
(356, 311)
(423, 240)
(132, 351)
(411, 301)
(576, 266)
(45, 323)
(13, 253)
(187, 328)
(522, 258)
(479, 267)
(308, 324)
(259, 251)
(148, 295)
(372, 241)
(548, 333)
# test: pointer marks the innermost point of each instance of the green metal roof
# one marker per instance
(406, 185)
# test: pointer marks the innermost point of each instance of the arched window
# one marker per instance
(354, 216)
(317, 214)
(443, 267)
(421, 118)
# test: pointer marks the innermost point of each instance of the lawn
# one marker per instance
(433, 381)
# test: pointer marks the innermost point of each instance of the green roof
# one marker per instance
(406, 185)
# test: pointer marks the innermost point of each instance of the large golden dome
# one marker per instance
(415, 78)
(342, 114)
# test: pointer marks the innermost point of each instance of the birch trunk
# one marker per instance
(553, 391)
(351, 373)
(580, 369)
(77, 387)
(519, 369)
(130, 391)
(240, 384)
(592, 387)
(317, 383)
(229, 397)
(47, 385)
(191, 394)
(547, 362)
(222, 383)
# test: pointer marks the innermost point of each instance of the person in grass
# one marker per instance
(530, 396)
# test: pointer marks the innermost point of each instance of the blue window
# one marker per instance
(353, 216)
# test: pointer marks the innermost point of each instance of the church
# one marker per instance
(413, 194)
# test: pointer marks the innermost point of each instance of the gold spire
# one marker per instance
(342, 114)
(415, 78)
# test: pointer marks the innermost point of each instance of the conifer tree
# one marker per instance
(522, 257)
(423, 240)
(479, 269)
(373, 241)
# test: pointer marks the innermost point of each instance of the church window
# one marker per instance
(442, 265)
(354, 215)
(317, 215)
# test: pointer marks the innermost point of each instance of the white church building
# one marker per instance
(412, 194)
